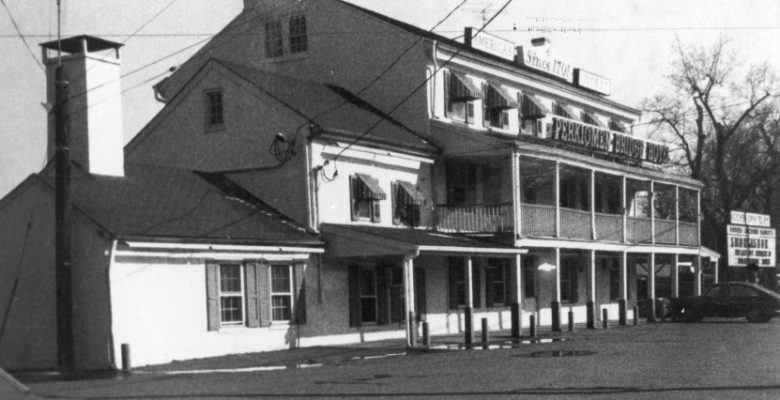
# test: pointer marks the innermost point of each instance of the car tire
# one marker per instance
(690, 314)
(758, 315)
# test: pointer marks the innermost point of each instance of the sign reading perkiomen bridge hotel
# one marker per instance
(605, 140)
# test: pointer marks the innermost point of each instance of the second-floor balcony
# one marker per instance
(492, 218)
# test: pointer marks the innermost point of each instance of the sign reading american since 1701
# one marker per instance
(490, 44)
(597, 138)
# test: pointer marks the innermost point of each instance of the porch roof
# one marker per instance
(368, 241)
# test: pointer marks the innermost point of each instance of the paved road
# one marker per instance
(724, 359)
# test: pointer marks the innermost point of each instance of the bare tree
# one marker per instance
(721, 123)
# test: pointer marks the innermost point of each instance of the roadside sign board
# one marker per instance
(743, 218)
(750, 245)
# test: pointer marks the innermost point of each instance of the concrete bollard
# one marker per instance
(591, 315)
(636, 315)
(469, 327)
(517, 325)
(412, 330)
(532, 325)
(126, 364)
(485, 338)
(426, 335)
(571, 320)
(605, 318)
(622, 312)
(555, 308)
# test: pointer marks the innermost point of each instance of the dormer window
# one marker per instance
(298, 37)
(407, 201)
(459, 95)
(496, 105)
(365, 196)
(214, 109)
(273, 39)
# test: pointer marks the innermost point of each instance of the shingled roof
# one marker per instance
(171, 203)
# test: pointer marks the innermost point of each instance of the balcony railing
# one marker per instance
(638, 230)
(575, 224)
(474, 218)
(689, 234)
(665, 231)
(537, 220)
(609, 227)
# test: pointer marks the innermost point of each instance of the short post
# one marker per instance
(605, 318)
(622, 312)
(426, 335)
(651, 316)
(485, 338)
(571, 320)
(126, 365)
(636, 315)
(532, 325)
(516, 315)
(556, 316)
(469, 327)
(591, 315)
(412, 329)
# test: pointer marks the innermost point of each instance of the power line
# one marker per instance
(21, 36)
(420, 86)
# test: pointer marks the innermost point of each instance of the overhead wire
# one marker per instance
(21, 36)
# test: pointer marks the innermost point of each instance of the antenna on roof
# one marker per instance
(59, 33)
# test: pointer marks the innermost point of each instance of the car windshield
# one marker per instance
(715, 291)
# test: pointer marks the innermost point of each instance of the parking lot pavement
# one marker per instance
(713, 359)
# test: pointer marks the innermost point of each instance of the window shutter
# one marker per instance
(574, 285)
(300, 293)
(354, 295)
(212, 296)
(419, 292)
(382, 294)
(485, 117)
(477, 298)
(352, 202)
(395, 204)
(375, 215)
(447, 105)
(507, 282)
(264, 293)
(489, 288)
(252, 305)
(453, 283)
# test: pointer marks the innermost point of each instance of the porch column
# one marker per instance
(555, 306)
(676, 277)
(557, 199)
(625, 210)
(652, 211)
(676, 214)
(516, 296)
(714, 270)
(651, 289)
(698, 218)
(411, 321)
(593, 204)
(591, 304)
(516, 197)
(623, 301)
(468, 325)
(697, 285)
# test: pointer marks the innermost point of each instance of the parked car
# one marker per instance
(730, 300)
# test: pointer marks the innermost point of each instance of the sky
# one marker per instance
(628, 41)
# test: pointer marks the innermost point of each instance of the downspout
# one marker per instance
(109, 264)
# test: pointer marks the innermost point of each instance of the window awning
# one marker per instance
(565, 110)
(409, 195)
(367, 188)
(590, 118)
(532, 107)
(462, 88)
(497, 97)
(617, 126)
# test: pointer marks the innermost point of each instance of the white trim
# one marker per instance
(223, 247)
(331, 149)
(470, 250)
(213, 255)
(599, 246)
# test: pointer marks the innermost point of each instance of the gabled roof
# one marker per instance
(176, 204)
(333, 108)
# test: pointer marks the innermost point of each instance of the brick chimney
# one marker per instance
(92, 67)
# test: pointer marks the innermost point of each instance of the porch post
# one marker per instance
(411, 321)
(623, 301)
(697, 286)
(555, 309)
(557, 199)
(652, 211)
(468, 311)
(625, 209)
(651, 289)
(516, 296)
(715, 267)
(591, 304)
(698, 218)
(676, 277)
(516, 197)
(677, 214)
(592, 191)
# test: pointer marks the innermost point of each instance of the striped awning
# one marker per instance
(565, 111)
(367, 188)
(617, 126)
(532, 107)
(462, 88)
(590, 118)
(407, 194)
(497, 97)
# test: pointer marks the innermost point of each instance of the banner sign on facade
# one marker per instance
(596, 138)
(490, 44)
(743, 218)
(541, 62)
(747, 245)
(589, 80)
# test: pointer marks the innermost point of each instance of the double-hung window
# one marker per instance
(496, 105)
(214, 111)
(365, 197)
(231, 294)
(407, 200)
(459, 95)
(496, 282)
(273, 39)
(281, 292)
(298, 37)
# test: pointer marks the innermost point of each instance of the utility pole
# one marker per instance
(63, 216)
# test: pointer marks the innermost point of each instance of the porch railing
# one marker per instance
(689, 234)
(609, 227)
(638, 230)
(665, 231)
(537, 219)
(474, 218)
(575, 224)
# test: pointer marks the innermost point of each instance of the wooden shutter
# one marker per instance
(383, 300)
(300, 293)
(489, 289)
(485, 119)
(375, 214)
(252, 300)
(419, 292)
(477, 298)
(263, 283)
(453, 265)
(352, 202)
(354, 295)
(508, 282)
(394, 203)
(212, 296)
(447, 105)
